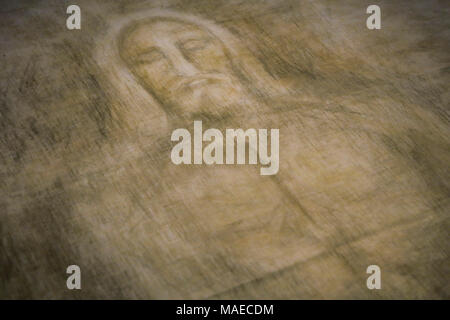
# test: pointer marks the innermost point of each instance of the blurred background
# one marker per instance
(78, 186)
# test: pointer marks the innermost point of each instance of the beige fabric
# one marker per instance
(86, 176)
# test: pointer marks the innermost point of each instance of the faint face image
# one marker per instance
(183, 66)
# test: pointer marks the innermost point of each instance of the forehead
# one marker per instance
(161, 32)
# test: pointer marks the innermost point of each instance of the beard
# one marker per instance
(215, 99)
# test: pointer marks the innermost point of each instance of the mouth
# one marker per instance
(197, 82)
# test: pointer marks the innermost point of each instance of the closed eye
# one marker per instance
(194, 44)
(150, 56)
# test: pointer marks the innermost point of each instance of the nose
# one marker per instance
(181, 65)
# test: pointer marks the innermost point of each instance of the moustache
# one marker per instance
(192, 82)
